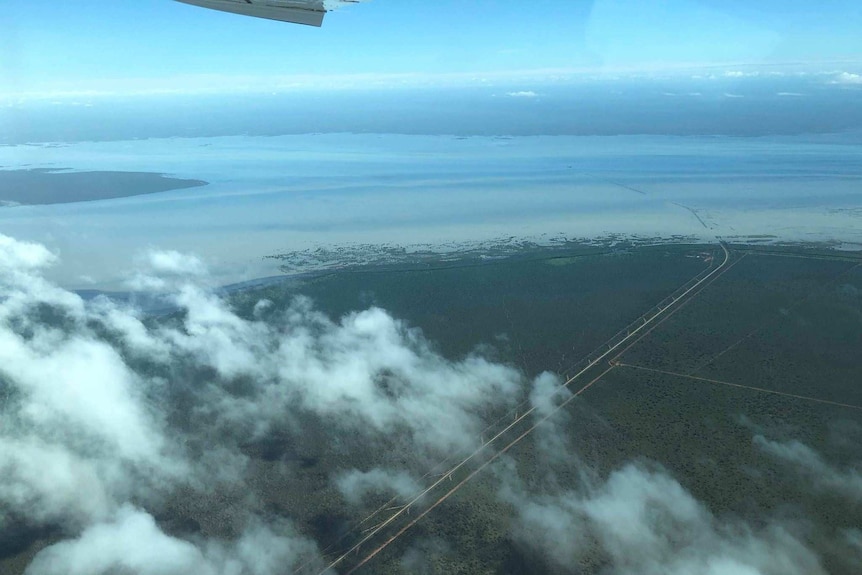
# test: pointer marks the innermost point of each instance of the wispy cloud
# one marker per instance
(643, 521)
(809, 463)
(354, 485)
(522, 94)
(741, 73)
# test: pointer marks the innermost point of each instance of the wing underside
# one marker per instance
(309, 12)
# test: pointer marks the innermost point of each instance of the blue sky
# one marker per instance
(128, 46)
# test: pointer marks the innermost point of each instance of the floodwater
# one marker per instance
(270, 195)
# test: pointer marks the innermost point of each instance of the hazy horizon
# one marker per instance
(720, 102)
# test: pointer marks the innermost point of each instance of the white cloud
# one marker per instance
(80, 385)
(741, 74)
(355, 484)
(74, 418)
(643, 522)
(132, 542)
(18, 256)
(46, 479)
(423, 556)
(370, 369)
(547, 393)
(847, 78)
(551, 437)
(789, 94)
(689, 94)
(729, 95)
(809, 463)
(166, 270)
(175, 263)
(853, 537)
(522, 94)
(91, 395)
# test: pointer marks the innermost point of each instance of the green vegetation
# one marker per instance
(537, 315)
(789, 324)
(786, 320)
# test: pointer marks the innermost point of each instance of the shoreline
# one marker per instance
(153, 303)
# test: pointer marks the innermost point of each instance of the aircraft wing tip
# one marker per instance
(292, 14)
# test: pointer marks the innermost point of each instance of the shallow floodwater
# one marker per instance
(269, 195)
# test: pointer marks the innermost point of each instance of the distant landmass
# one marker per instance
(43, 186)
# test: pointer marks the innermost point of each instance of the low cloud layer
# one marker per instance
(131, 542)
(109, 418)
(813, 467)
(102, 408)
(641, 521)
(355, 484)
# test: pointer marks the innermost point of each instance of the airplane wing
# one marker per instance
(308, 12)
